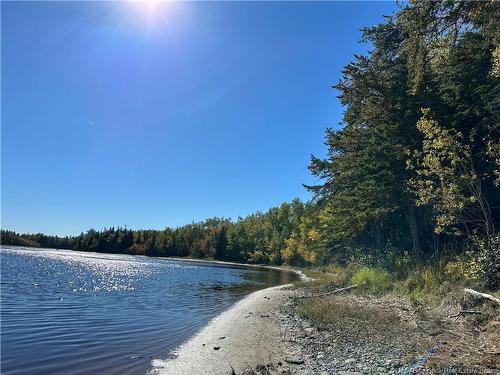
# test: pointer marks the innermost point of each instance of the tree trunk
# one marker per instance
(412, 216)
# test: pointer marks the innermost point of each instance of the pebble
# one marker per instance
(348, 347)
(294, 360)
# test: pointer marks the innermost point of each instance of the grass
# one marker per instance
(439, 286)
(376, 280)
(327, 311)
(320, 279)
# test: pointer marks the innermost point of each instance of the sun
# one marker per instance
(153, 17)
(148, 8)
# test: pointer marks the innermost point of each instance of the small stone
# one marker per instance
(216, 347)
(294, 360)
(320, 355)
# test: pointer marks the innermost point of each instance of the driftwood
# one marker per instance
(336, 291)
(483, 295)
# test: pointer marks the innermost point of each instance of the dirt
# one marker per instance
(388, 335)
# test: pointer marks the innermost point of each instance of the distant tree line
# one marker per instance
(258, 238)
(413, 173)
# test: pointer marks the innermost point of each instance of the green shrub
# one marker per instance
(424, 282)
(464, 268)
(374, 279)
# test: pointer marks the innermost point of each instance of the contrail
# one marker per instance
(90, 122)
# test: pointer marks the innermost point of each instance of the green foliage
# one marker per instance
(376, 280)
(258, 238)
(395, 180)
(485, 257)
(424, 282)
(464, 268)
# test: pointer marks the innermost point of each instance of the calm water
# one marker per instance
(68, 312)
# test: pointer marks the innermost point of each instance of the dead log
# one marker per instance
(483, 295)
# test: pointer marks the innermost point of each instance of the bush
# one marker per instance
(464, 268)
(375, 279)
(487, 253)
(424, 282)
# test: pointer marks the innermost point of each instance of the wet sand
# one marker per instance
(243, 336)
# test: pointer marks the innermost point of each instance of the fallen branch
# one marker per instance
(483, 295)
(461, 312)
(336, 291)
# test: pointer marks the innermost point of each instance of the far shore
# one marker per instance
(299, 272)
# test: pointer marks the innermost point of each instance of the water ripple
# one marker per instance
(76, 312)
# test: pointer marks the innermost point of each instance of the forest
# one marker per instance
(411, 178)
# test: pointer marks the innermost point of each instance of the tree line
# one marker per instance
(412, 173)
(257, 238)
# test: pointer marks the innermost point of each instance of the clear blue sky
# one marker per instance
(152, 115)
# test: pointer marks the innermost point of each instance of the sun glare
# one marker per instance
(150, 10)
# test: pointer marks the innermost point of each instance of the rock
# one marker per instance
(309, 329)
(294, 360)
(216, 347)
(320, 355)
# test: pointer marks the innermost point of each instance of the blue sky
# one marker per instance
(157, 114)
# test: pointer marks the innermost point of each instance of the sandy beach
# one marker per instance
(218, 348)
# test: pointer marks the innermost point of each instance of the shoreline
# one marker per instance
(300, 273)
(247, 334)
(244, 336)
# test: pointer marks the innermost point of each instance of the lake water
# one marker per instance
(69, 312)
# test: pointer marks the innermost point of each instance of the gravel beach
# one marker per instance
(367, 335)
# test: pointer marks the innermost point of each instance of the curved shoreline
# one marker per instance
(245, 335)
(301, 274)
